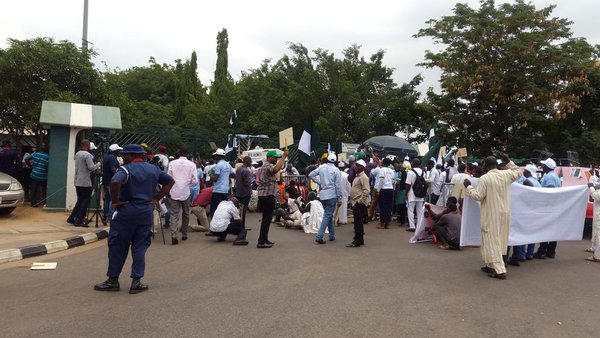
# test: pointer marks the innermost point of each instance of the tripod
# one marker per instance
(97, 192)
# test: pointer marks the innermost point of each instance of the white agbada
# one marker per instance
(493, 193)
(595, 194)
(341, 212)
(311, 221)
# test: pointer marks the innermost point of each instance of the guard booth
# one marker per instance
(65, 121)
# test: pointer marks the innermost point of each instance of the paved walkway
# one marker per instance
(31, 226)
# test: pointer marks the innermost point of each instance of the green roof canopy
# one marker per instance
(80, 115)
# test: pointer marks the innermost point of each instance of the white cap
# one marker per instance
(254, 163)
(341, 164)
(361, 163)
(114, 147)
(331, 157)
(549, 163)
(219, 152)
(475, 164)
(93, 146)
(531, 168)
(406, 164)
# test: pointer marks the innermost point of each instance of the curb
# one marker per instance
(10, 255)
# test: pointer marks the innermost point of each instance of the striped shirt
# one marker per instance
(39, 163)
(267, 180)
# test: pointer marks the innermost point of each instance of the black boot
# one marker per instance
(111, 284)
(137, 286)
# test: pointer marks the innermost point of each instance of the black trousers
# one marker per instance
(244, 200)
(360, 211)
(79, 213)
(234, 228)
(402, 213)
(433, 198)
(547, 248)
(268, 204)
(217, 198)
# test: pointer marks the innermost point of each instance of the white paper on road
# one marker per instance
(43, 266)
(422, 231)
(537, 215)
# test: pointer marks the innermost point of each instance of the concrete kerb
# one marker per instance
(10, 255)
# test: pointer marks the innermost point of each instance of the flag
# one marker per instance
(309, 144)
(230, 144)
(233, 118)
(434, 148)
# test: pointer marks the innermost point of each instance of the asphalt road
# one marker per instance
(388, 288)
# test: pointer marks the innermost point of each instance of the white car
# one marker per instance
(11, 193)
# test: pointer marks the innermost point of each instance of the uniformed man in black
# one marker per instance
(135, 196)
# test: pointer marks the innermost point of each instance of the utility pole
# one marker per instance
(84, 40)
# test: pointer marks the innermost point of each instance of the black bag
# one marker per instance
(420, 185)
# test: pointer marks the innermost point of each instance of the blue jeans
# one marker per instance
(329, 207)
(519, 252)
(107, 202)
(530, 250)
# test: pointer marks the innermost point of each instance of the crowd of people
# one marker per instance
(220, 194)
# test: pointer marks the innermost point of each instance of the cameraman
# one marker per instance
(109, 168)
(84, 166)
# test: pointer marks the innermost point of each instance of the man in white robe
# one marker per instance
(595, 249)
(493, 193)
(341, 212)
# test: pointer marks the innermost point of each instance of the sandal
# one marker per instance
(592, 259)
(589, 250)
(498, 275)
(487, 269)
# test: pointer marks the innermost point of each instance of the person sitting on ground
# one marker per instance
(312, 214)
(447, 228)
(226, 220)
(200, 206)
(446, 210)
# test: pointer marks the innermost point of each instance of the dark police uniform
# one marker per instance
(132, 221)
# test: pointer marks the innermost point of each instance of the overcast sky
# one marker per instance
(126, 33)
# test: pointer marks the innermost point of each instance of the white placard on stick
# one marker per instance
(286, 137)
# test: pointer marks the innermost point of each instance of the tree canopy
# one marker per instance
(509, 73)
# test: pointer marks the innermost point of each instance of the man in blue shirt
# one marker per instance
(133, 188)
(39, 175)
(327, 176)
(220, 175)
(550, 180)
(109, 168)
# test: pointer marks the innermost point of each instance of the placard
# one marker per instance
(462, 152)
(213, 145)
(286, 137)
(341, 157)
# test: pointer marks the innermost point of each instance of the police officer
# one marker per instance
(134, 189)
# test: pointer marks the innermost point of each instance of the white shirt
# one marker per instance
(184, 173)
(223, 215)
(410, 179)
(385, 179)
(433, 178)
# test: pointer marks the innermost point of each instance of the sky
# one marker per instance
(127, 33)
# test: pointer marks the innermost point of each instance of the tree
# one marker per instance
(41, 69)
(507, 71)
(221, 91)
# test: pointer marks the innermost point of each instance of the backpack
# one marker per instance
(420, 186)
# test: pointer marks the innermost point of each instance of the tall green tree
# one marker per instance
(507, 70)
(222, 89)
(42, 69)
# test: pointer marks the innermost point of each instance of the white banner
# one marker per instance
(537, 215)
(422, 231)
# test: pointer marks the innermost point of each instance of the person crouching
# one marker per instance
(227, 220)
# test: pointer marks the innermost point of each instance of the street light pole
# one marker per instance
(84, 40)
